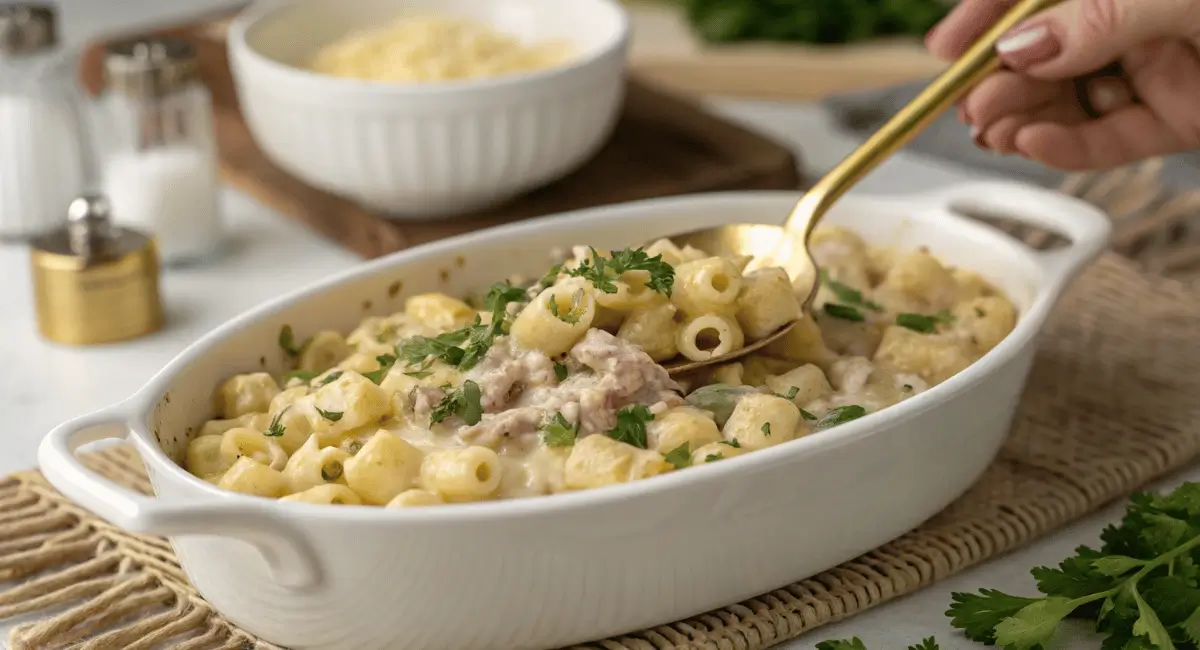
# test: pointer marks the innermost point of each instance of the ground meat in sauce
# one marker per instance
(424, 400)
(609, 374)
(505, 372)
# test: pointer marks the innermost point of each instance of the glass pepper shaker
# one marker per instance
(43, 159)
(160, 163)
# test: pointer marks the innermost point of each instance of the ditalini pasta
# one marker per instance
(557, 384)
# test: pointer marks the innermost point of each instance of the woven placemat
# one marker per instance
(1110, 406)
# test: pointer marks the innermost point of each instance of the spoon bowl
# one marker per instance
(786, 247)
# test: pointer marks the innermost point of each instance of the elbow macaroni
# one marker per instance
(438, 404)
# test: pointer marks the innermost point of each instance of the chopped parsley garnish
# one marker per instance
(287, 342)
(631, 425)
(331, 377)
(841, 415)
(419, 374)
(332, 472)
(464, 401)
(560, 433)
(386, 361)
(712, 458)
(766, 428)
(680, 456)
(848, 294)
(980, 312)
(416, 350)
(732, 443)
(303, 375)
(560, 371)
(908, 388)
(276, 428)
(354, 447)
(808, 416)
(791, 394)
(466, 347)
(502, 293)
(844, 312)
(572, 315)
(332, 416)
(603, 272)
(551, 277)
(924, 324)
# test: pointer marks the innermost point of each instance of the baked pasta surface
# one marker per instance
(556, 384)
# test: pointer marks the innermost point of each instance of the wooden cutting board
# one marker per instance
(663, 145)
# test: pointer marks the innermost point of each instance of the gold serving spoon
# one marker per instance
(787, 246)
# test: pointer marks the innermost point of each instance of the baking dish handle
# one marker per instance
(289, 558)
(1086, 227)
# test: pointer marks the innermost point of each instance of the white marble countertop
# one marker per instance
(43, 384)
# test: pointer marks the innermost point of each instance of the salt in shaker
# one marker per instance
(160, 161)
(42, 158)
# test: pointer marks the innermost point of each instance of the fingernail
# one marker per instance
(977, 136)
(1029, 45)
(931, 34)
(1103, 99)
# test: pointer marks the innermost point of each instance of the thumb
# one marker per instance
(1080, 36)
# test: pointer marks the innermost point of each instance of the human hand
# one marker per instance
(1032, 107)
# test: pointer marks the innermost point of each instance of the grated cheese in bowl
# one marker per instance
(435, 48)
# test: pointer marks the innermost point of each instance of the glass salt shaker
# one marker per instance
(43, 160)
(160, 161)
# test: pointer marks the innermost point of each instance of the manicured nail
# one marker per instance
(931, 34)
(1028, 46)
(977, 136)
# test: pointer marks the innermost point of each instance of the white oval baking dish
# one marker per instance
(549, 571)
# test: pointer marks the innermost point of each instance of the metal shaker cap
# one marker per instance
(95, 282)
(146, 68)
(27, 28)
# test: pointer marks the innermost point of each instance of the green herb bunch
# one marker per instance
(811, 21)
(1140, 589)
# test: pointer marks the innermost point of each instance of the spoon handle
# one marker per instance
(978, 62)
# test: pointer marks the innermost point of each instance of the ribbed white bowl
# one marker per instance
(425, 150)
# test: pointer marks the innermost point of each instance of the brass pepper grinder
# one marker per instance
(95, 282)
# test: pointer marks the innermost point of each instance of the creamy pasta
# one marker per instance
(556, 384)
(434, 48)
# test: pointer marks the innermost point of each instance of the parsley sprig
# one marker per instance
(631, 425)
(1141, 588)
(276, 429)
(464, 401)
(386, 361)
(572, 315)
(560, 433)
(839, 415)
(857, 644)
(287, 342)
(847, 294)
(680, 456)
(465, 347)
(923, 323)
(603, 272)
